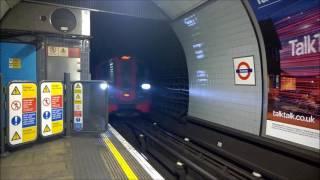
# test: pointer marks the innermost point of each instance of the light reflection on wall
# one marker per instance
(191, 20)
(198, 47)
(202, 77)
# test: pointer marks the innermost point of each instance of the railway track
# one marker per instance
(180, 156)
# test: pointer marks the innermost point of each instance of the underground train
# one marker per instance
(128, 86)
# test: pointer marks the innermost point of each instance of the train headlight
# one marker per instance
(103, 86)
(146, 86)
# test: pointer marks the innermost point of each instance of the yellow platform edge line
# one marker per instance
(122, 162)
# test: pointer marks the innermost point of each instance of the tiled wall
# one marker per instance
(211, 37)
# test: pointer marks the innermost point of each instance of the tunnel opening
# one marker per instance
(154, 46)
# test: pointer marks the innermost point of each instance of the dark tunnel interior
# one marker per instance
(155, 45)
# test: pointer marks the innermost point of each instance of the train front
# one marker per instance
(129, 90)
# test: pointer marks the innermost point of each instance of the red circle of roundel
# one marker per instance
(247, 74)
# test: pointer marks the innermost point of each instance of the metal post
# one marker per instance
(3, 151)
(68, 104)
(107, 107)
(180, 170)
(143, 143)
(155, 128)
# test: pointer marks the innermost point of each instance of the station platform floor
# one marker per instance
(84, 156)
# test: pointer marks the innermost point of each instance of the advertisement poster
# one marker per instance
(291, 31)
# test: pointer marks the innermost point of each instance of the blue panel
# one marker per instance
(26, 53)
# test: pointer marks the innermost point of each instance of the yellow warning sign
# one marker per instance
(46, 89)
(46, 129)
(16, 136)
(77, 91)
(78, 99)
(56, 89)
(29, 90)
(16, 91)
(63, 51)
(78, 86)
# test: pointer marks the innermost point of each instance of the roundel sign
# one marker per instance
(244, 73)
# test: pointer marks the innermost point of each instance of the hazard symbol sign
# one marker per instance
(46, 129)
(16, 105)
(46, 101)
(15, 136)
(15, 91)
(46, 89)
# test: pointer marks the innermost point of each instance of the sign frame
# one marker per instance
(73, 105)
(252, 57)
(40, 109)
(84, 83)
(8, 114)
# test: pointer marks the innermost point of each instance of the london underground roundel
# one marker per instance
(244, 73)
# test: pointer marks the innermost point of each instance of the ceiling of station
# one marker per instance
(151, 9)
(135, 8)
(176, 8)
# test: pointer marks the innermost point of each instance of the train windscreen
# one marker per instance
(126, 75)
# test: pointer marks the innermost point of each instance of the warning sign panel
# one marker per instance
(63, 52)
(78, 106)
(53, 51)
(51, 108)
(244, 72)
(15, 63)
(22, 113)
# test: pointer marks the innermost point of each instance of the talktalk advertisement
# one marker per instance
(291, 31)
